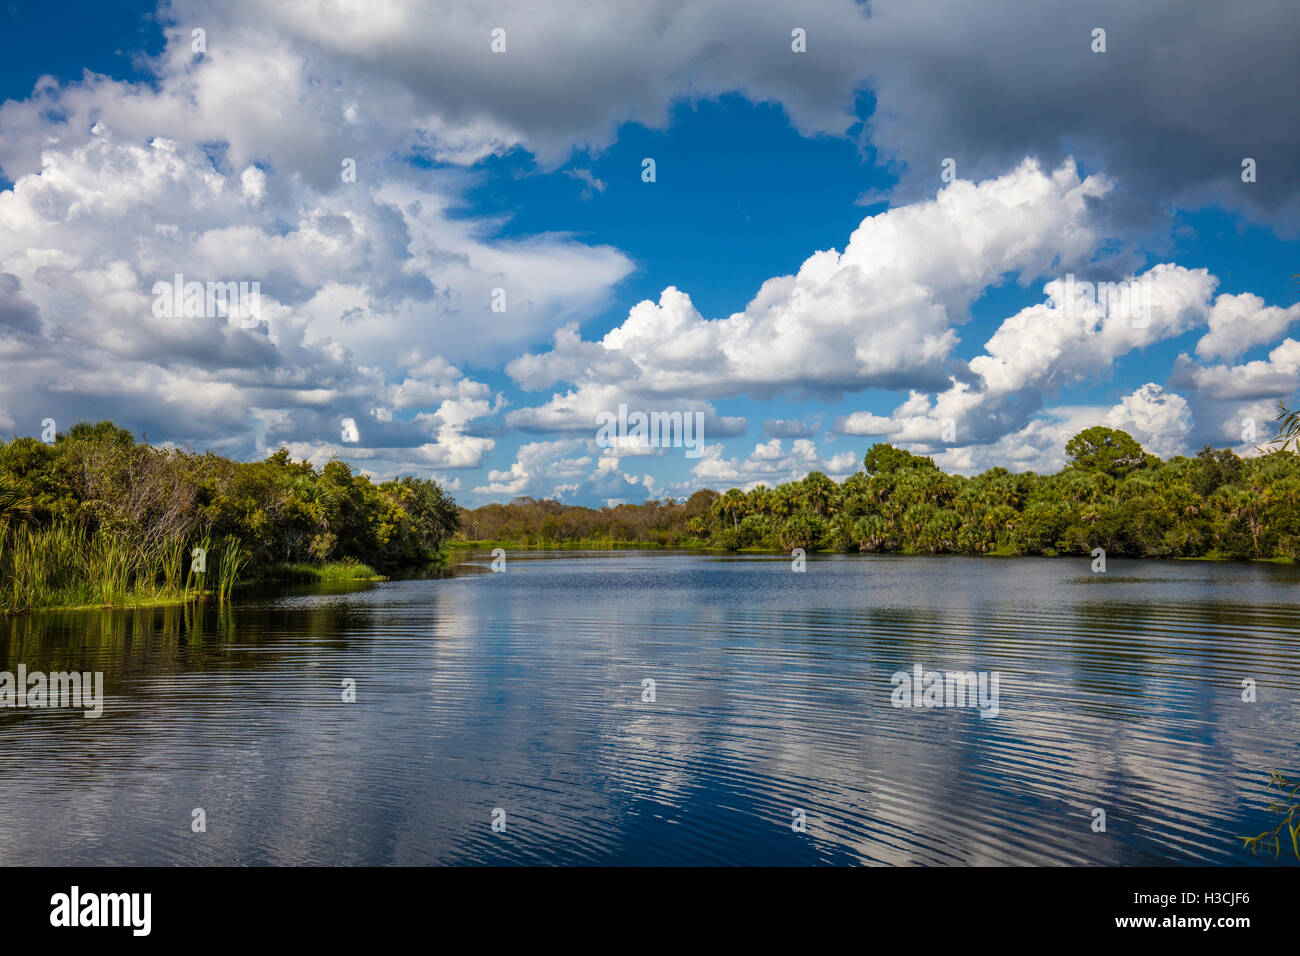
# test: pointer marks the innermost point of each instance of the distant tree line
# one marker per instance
(1112, 495)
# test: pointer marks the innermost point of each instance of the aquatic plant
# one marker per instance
(1290, 822)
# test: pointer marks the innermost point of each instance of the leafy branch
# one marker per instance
(1290, 812)
(1289, 430)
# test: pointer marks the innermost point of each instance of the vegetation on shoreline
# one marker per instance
(1112, 495)
(64, 565)
(96, 519)
(577, 544)
(345, 570)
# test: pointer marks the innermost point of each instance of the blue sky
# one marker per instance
(521, 171)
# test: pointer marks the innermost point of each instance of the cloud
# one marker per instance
(375, 292)
(1240, 322)
(878, 315)
(770, 463)
(591, 184)
(1066, 340)
(789, 428)
(305, 82)
(1273, 377)
(570, 470)
(1238, 404)
(18, 316)
(985, 84)
(570, 74)
(1159, 420)
(1073, 336)
(120, 188)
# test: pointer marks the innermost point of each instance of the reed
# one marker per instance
(63, 565)
(230, 561)
(349, 569)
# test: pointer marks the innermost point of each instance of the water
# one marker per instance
(523, 691)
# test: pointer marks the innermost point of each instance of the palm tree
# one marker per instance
(760, 500)
(871, 533)
(785, 500)
(856, 484)
(14, 506)
(819, 492)
(1289, 431)
(731, 505)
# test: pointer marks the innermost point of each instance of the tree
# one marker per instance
(698, 504)
(106, 432)
(760, 500)
(802, 531)
(96, 494)
(1289, 811)
(1113, 496)
(819, 492)
(14, 505)
(786, 500)
(871, 533)
(1288, 432)
(884, 459)
(1106, 450)
(434, 516)
(1214, 469)
(731, 505)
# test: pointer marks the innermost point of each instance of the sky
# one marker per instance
(866, 222)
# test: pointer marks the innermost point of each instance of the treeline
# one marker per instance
(95, 517)
(1112, 495)
(531, 522)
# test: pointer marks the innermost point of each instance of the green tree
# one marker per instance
(805, 531)
(819, 492)
(1214, 469)
(884, 459)
(731, 506)
(1114, 496)
(434, 517)
(1106, 450)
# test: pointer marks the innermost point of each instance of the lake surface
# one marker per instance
(523, 691)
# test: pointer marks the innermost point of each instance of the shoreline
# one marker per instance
(596, 545)
(337, 572)
(356, 573)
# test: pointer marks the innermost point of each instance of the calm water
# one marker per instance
(523, 691)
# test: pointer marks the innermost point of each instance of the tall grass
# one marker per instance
(230, 560)
(348, 569)
(65, 566)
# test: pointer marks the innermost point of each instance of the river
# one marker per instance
(770, 733)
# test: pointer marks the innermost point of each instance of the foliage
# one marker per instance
(1288, 428)
(884, 459)
(1107, 450)
(97, 518)
(1290, 822)
(349, 569)
(1114, 496)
